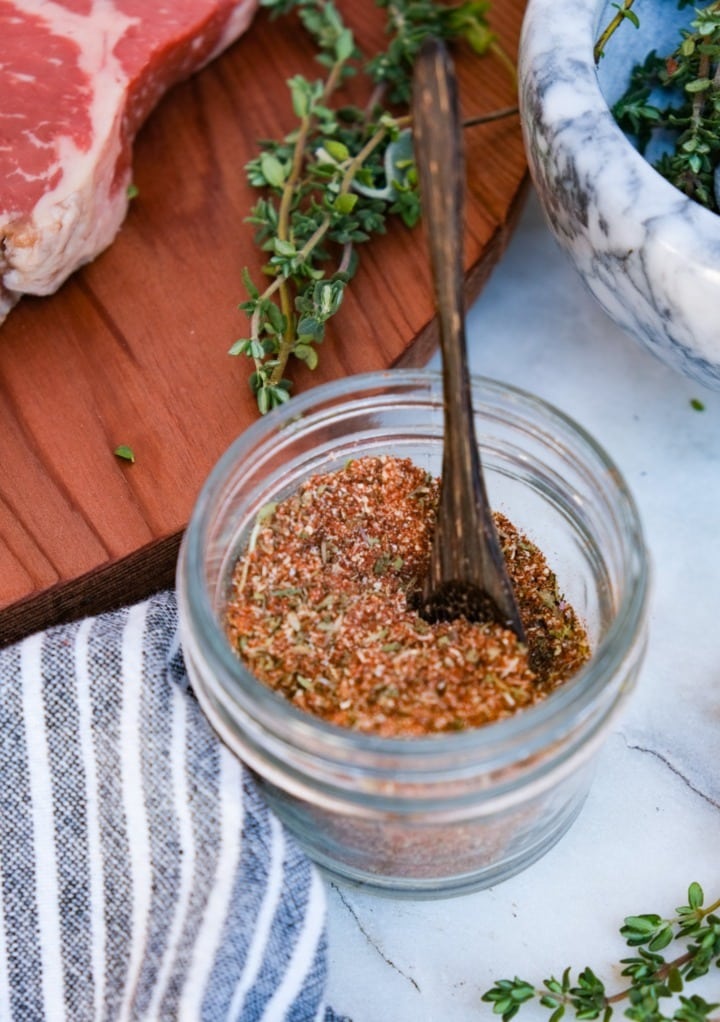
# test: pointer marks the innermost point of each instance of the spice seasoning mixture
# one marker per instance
(321, 610)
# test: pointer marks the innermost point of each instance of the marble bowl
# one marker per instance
(648, 254)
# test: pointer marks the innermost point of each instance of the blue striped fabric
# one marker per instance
(143, 877)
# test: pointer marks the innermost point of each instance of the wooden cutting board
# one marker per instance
(133, 349)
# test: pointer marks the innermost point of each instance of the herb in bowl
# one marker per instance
(677, 95)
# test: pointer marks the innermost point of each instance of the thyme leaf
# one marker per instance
(125, 453)
(334, 181)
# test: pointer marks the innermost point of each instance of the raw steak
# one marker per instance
(77, 79)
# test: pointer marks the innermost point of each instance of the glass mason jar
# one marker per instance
(442, 814)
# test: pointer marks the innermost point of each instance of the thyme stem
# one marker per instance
(505, 60)
(661, 975)
(610, 29)
(288, 340)
(700, 98)
(494, 115)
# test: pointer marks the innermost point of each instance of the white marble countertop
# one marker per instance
(652, 822)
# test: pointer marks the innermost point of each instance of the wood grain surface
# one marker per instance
(133, 349)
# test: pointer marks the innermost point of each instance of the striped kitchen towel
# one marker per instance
(143, 877)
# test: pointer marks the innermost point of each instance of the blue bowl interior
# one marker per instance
(660, 24)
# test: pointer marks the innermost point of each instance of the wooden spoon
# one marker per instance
(467, 572)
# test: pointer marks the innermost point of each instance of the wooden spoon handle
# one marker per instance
(467, 569)
(437, 140)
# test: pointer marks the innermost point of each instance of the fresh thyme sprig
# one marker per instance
(653, 979)
(624, 13)
(332, 182)
(690, 79)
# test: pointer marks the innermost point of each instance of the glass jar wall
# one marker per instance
(449, 813)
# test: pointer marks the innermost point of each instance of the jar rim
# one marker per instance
(578, 693)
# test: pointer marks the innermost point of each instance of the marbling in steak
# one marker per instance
(77, 79)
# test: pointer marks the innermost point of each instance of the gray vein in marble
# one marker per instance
(634, 747)
(368, 937)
